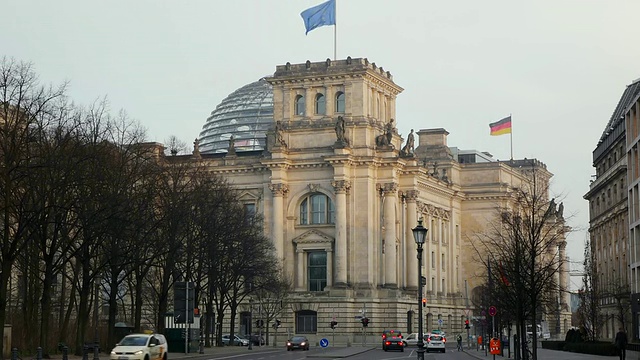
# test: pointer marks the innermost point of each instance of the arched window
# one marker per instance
(306, 322)
(320, 104)
(300, 105)
(317, 209)
(340, 102)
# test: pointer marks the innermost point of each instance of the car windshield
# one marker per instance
(298, 339)
(436, 337)
(134, 341)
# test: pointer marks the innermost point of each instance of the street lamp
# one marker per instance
(419, 235)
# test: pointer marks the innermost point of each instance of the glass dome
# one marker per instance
(246, 113)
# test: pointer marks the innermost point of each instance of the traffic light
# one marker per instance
(334, 323)
(277, 323)
(259, 324)
(424, 302)
(365, 322)
(466, 324)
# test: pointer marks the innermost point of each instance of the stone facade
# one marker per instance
(345, 209)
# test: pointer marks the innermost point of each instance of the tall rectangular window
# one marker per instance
(442, 261)
(317, 270)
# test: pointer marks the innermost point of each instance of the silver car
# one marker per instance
(238, 341)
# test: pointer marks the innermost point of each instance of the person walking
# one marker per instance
(621, 343)
(459, 340)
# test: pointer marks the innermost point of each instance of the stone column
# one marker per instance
(341, 188)
(564, 275)
(329, 268)
(410, 244)
(277, 236)
(390, 256)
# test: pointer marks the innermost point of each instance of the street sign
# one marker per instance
(424, 280)
(440, 321)
(324, 342)
(358, 317)
(493, 311)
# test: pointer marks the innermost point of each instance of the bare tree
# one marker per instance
(521, 253)
(591, 294)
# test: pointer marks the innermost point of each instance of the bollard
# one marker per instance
(201, 347)
(85, 352)
(65, 352)
(39, 353)
(14, 354)
(96, 351)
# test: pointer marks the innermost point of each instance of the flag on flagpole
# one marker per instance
(501, 127)
(319, 15)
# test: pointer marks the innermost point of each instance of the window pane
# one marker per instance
(303, 212)
(332, 212)
(300, 105)
(340, 102)
(317, 270)
(320, 104)
(306, 322)
(318, 209)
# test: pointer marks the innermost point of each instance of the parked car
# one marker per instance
(238, 341)
(394, 342)
(257, 339)
(435, 342)
(411, 339)
(389, 333)
(141, 347)
(298, 342)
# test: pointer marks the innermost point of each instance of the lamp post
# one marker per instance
(419, 235)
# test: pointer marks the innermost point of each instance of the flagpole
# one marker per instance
(511, 136)
(335, 34)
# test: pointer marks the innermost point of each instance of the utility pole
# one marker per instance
(466, 295)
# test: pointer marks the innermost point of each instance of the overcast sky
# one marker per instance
(558, 66)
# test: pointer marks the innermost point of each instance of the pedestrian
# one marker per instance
(621, 343)
(459, 340)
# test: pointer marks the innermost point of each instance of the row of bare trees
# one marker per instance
(520, 254)
(93, 217)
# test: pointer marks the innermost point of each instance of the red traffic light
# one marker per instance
(466, 322)
(424, 302)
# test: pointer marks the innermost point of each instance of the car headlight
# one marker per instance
(288, 344)
(113, 352)
(139, 352)
(302, 343)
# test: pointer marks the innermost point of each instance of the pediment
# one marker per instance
(313, 237)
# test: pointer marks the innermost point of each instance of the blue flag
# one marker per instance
(319, 15)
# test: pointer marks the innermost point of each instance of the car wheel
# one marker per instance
(146, 357)
(402, 349)
(164, 357)
(444, 350)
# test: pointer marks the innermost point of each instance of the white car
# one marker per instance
(238, 341)
(411, 339)
(141, 347)
(435, 342)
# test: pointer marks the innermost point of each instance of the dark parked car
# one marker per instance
(298, 342)
(257, 339)
(393, 343)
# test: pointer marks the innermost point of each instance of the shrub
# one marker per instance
(553, 344)
(594, 348)
(574, 336)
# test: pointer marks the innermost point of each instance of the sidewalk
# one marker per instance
(546, 354)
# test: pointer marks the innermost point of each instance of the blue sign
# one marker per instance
(324, 343)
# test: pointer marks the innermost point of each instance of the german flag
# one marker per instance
(501, 127)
